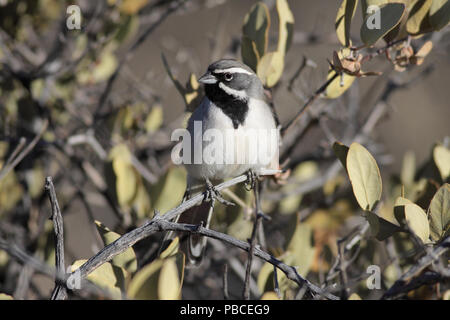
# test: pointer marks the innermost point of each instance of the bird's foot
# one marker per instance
(213, 194)
(252, 177)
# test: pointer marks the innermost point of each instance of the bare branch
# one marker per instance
(59, 292)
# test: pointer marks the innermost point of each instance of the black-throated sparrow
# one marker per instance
(234, 130)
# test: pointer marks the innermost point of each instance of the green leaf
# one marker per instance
(107, 276)
(439, 14)
(249, 52)
(169, 190)
(354, 296)
(171, 249)
(408, 169)
(342, 82)
(154, 119)
(270, 68)
(418, 17)
(343, 21)
(270, 295)
(4, 296)
(142, 204)
(161, 279)
(341, 151)
(256, 26)
(286, 29)
(171, 278)
(300, 250)
(144, 284)
(367, 3)
(439, 213)
(390, 16)
(132, 6)
(380, 228)
(414, 216)
(126, 176)
(441, 157)
(364, 176)
(126, 259)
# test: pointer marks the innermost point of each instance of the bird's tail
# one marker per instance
(195, 245)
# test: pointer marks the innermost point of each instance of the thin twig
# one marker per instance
(252, 241)
(225, 282)
(14, 162)
(403, 285)
(59, 292)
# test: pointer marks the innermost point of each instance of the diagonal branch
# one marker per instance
(162, 223)
(403, 285)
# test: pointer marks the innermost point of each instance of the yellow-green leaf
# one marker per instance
(132, 6)
(408, 169)
(343, 21)
(300, 251)
(161, 279)
(416, 219)
(354, 296)
(169, 282)
(439, 213)
(127, 259)
(270, 68)
(154, 119)
(144, 284)
(171, 249)
(168, 192)
(418, 16)
(35, 180)
(126, 176)
(142, 204)
(270, 295)
(107, 276)
(364, 176)
(441, 157)
(439, 14)
(4, 296)
(286, 30)
(390, 15)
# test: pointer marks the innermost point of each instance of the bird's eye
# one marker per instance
(228, 76)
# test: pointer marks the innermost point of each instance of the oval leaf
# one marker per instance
(378, 24)
(439, 213)
(256, 26)
(417, 220)
(364, 176)
(441, 157)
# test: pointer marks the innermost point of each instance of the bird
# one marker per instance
(239, 119)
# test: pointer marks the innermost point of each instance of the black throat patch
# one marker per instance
(236, 109)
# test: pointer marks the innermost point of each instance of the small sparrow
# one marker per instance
(236, 109)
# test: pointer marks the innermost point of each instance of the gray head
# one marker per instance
(231, 79)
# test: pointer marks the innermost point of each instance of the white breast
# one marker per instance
(229, 152)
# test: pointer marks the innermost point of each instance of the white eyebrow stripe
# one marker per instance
(240, 94)
(233, 70)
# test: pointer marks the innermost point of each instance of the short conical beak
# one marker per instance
(207, 78)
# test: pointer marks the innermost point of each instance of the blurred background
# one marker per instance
(108, 81)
